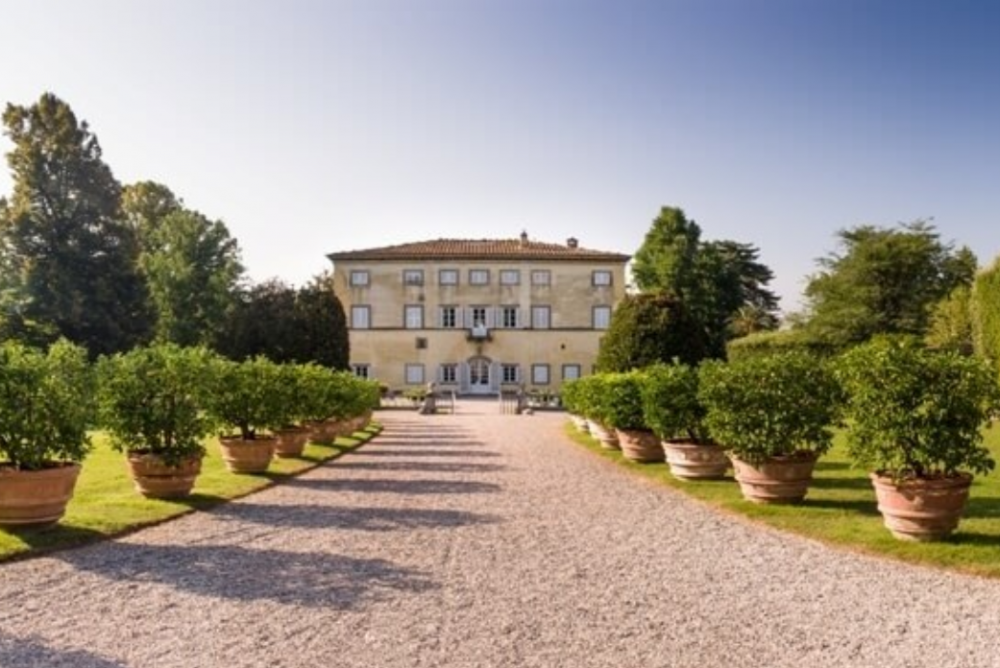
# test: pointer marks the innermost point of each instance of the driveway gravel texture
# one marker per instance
(480, 540)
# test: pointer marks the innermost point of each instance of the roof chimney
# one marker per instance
(573, 242)
(524, 238)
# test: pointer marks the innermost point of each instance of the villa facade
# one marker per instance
(476, 316)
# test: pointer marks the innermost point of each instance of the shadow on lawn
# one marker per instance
(357, 518)
(33, 651)
(239, 573)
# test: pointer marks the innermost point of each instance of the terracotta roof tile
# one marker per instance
(480, 249)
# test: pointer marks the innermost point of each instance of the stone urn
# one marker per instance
(247, 456)
(156, 479)
(922, 509)
(783, 479)
(640, 445)
(606, 437)
(695, 461)
(291, 441)
(31, 499)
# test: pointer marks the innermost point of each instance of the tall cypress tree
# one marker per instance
(71, 258)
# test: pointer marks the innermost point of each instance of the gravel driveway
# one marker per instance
(481, 540)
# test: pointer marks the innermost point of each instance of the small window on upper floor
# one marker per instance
(602, 317)
(479, 277)
(359, 278)
(361, 316)
(602, 278)
(448, 277)
(541, 277)
(413, 277)
(510, 277)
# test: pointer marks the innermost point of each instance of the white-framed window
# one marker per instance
(359, 277)
(449, 373)
(571, 371)
(508, 317)
(448, 317)
(361, 316)
(539, 374)
(510, 373)
(510, 277)
(479, 277)
(413, 277)
(541, 277)
(541, 317)
(601, 278)
(362, 370)
(448, 277)
(479, 316)
(414, 374)
(602, 317)
(413, 316)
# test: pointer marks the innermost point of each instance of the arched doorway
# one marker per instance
(479, 375)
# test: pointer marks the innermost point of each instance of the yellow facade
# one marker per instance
(526, 322)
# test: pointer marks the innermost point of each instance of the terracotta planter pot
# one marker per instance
(776, 480)
(291, 442)
(247, 456)
(922, 509)
(155, 479)
(607, 437)
(695, 461)
(640, 445)
(36, 498)
(580, 423)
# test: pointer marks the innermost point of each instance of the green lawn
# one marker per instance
(840, 510)
(105, 503)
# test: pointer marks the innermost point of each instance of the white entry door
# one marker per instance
(479, 375)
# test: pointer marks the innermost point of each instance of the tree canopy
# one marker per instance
(884, 281)
(68, 258)
(650, 328)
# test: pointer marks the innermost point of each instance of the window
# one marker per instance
(479, 277)
(479, 316)
(361, 370)
(449, 373)
(508, 317)
(414, 317)
(570, 371)
(602, 278)
(602, 317)
(448, 317)
(541, 277)
(413, 277)
(510, 277)
(359, 278)
(540, 374)
(541, 317)
(509, 373)
(361, 317)
(448, 277)
(414, 374)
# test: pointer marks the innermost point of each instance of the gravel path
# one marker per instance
(479, 541)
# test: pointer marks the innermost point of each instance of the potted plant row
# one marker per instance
(620, 405)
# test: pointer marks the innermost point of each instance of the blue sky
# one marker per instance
(311, 126)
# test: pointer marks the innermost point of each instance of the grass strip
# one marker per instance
(105, 504)
(840, 510)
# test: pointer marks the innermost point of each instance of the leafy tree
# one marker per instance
(192, 267)
(985, 306)
(884, 281)
(951, 322)
(650, 328)
(720, 282)
(69, 261)
(145, 204)
(321, 326)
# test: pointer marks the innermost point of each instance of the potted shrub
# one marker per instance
(152, 402)
(572, 396)
(293, 397)
(592, 396)
(671, 408)
(773, 415)
(622, 400)
(915, 420)
(46, 406)
(247, 398)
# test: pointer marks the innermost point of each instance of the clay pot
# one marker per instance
(291, 442)
(607, 437)
(155, 479)
(695, 461)
(31, 499)
(640, 445)
(247, 456)
(922, 509)
(580, 423)
(775, 480)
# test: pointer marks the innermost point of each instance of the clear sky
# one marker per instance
(315, 126)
